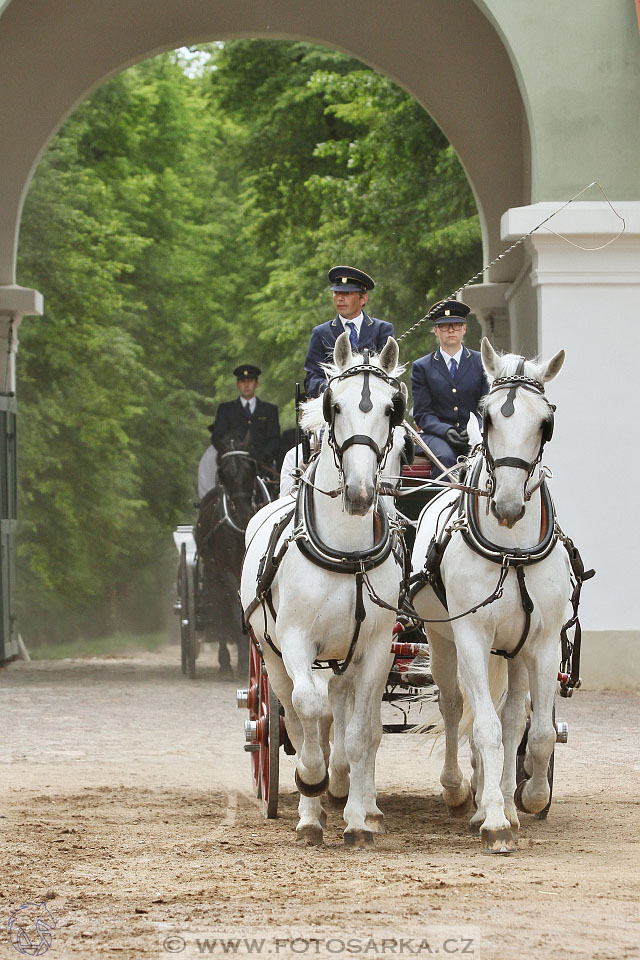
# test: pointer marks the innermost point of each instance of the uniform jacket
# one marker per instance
(373, 336)
(439, 402)
(264, 427)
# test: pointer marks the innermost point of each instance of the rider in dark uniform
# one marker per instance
(248, 413)
(447, 386)
(350, 288)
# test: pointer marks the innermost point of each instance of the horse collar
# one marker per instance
(469, 526)
(314, 549)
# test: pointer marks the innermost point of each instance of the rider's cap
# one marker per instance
(350, 279)
(448, 311)
(247, 371)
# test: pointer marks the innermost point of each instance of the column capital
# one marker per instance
(583, 218)
(20, 301)
(572, 248)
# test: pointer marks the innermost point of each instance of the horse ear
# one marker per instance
(404, 392)
(342, 353)
(553, 367)
(390, 355)
(490, 358)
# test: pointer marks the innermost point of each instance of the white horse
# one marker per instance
(319, 594)
(506, 545)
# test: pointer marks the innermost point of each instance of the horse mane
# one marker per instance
(312, 415)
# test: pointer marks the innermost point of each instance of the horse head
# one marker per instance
(362, 405)
(237, 472)
(517, 422)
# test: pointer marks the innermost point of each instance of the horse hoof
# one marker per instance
(312, 789)
(498, 841)
(359, 839)
(376, 822)
(310, 834)
(461, 810)
(337, 802)
(517, 796)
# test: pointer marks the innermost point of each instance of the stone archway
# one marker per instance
(52, 54)
(538, 100)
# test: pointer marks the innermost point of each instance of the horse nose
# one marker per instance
(507, 514)
(358, 497)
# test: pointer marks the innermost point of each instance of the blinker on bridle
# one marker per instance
(397, 414)
(513, 383)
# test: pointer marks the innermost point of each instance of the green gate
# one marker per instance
(8, 522)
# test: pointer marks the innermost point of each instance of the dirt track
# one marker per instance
(126, 805)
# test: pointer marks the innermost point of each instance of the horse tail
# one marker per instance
(433, 725)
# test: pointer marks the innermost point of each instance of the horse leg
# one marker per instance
(362, 739)
(312, 818)
(456, 791)
(307, 701)
(476, 786)
(495, 830)
(340, 690)
(513, 725)
(224, 660)
(534, 795)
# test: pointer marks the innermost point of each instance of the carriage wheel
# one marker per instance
(521, 773)
(269, 739)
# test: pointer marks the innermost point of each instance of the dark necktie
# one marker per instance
(353, 336)
(453, 367)
(247, 410)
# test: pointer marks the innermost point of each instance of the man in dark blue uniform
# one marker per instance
(447, 386)
(248, 413)
(350, 288)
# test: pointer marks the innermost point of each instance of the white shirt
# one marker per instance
(251, 404)
(447, 359)
(357, 322)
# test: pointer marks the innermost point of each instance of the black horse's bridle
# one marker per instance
(513, 383)
(228, 509)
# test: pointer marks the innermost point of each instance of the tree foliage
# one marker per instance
(182, 221)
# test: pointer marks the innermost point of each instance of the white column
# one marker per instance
(589, 303)
(15, 303)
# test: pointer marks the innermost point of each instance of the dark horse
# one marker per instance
(225, 512)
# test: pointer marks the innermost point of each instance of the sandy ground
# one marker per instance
(127, 805)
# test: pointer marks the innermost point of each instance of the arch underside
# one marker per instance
(447, 55)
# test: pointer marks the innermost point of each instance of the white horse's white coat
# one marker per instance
(315, 612)
(465, 645)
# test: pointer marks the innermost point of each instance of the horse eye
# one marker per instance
(389, 409)
(336, 408)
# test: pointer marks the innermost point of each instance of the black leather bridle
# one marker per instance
(330, 408)
(513, 383)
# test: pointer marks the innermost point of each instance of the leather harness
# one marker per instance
(305, 536)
